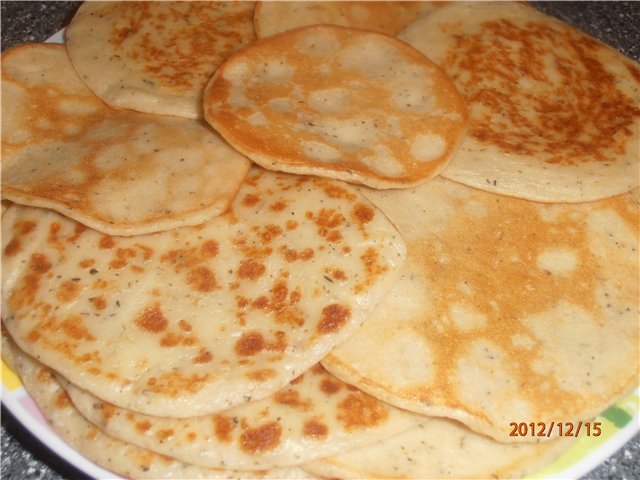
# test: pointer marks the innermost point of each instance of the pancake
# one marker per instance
(155, 57)
(439, 448)
(114, 455)
(198, 319)
(390, 18)
(338, 102)
(119, 172)
(316, 415)
(506, 310)
(554, 114)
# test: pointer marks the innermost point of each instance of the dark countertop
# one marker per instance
(24, 458)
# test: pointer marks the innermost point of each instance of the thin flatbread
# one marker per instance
(440, 448)
(198, 319)
(554, 114)
(390, 18)
(315, 416)
(506, 310)
(109, 453)
(156, 57)
(338, 102)
(117, 171)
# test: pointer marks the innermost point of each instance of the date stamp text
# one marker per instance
(560, 429)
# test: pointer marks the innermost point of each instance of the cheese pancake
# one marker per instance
(554, 114)
(156, 57)
(117, 171)
(338, 102)
(506, 310)
(390, 18)
(198, 319)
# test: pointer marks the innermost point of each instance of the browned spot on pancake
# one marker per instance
(360, 410)
(251, 269)
(162, 435)
(202, 279)
(209, 249)
(52, 238)
(86, 263)
(373, 269)
(315, 429)
(279, 344)
(261, 375)
(291, 398)
(152, 320)
(328, 222)
(291, 224)
(330, 386)
(333, 317)
(362, 214)
(278, 206)
(25, 227)
(250, 199)
(297, 380)
(191, 437)
(74, 327)
(68, 291)
(62, 400)
(99, 284)
(338, 274)
(184, 325)
(39, 263)
(270, 232)
(222, 427)
(170, 339)
(204, 356)
(78, 230)
(100, 303)
(123, 255)
(291, 255)
(143, 425)
(582, 116)
(106, 243)
(335, 191)
(13, 247)
(33, 336)
(250, 343)
(261, 439)
(108, 411)
(176, 383)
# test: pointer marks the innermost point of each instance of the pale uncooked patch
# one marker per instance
(507, 341)
(384, 17)
(439, 448)
(317, 415)
(553, 113)
(156, 57)
(106, 451)
(198, 319)
(368, 108)
(117, 171)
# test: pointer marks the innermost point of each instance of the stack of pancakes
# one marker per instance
(320, 240)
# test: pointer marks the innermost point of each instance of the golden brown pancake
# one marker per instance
(120, 457)
(196, 320)
(156, 57)
(117, 171)
(273, 17)
(338, 102)
(316, 415)
(506, 310)
(554, 113)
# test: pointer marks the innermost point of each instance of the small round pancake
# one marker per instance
(156, 57)
(554, 113)
(384, 17)
(338, 102)
(505, 311)
(439, 448)
(315, 416)
(110, 453)
(195, 320)
(118, 171)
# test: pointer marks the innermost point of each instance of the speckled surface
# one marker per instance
(24, 458)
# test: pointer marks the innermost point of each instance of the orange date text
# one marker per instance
(560, 429)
